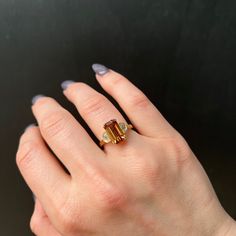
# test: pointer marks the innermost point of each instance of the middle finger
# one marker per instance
(65, 136)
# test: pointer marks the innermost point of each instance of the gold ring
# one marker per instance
(114, 132)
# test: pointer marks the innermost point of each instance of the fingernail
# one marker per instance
(36, 98)
(66, 84)
(29, 126)
(100, 69)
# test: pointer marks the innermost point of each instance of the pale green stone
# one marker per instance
(123, 126)
(106, 137)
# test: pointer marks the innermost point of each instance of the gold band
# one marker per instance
(114, 132)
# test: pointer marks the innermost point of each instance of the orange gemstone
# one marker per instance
(114, 131)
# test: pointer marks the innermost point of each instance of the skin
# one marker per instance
(151, 184)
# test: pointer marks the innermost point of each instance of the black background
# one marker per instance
(181, 53)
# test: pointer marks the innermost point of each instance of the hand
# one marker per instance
(150, 184)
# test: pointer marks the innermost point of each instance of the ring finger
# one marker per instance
(94, 108)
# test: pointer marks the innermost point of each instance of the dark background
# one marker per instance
(181, 53)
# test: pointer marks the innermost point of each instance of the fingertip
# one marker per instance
(65, 84)
(100, 69)
(36, 98)
(29, 127)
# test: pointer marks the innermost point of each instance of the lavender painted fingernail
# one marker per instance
(36, 98)
(100, 69)
(66, 84)
(29, 126)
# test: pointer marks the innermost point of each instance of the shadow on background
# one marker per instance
(180, 53)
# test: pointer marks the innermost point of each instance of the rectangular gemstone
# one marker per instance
(114, 131)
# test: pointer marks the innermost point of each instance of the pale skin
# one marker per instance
(150, 184)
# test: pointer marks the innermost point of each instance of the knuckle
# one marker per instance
(144, 164)
(149, 169)
(94, 105)
(117, 80)
(54, 124)
(139, 99)
(112, 198)
(178, 149)
(68, 220)
(110, 194)
(26, 153)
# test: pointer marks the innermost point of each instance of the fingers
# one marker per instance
(50, 183)
(65, 136)
(40, 223)
(94, 108)
(142, 113)
(40, 169)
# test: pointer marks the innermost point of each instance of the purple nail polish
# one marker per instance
(36, 98)
(29, 126)
(100, 69)
(66, 84)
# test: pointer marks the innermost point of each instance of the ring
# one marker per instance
(115, 132)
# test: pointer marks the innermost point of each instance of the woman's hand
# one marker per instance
(150, 184)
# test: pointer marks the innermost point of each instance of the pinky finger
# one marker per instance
(40, 223)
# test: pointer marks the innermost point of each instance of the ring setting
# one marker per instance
(114, 132)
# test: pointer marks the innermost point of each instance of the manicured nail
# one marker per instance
(66, 84)
(29, 126)
(100, 69)
(36, 98)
